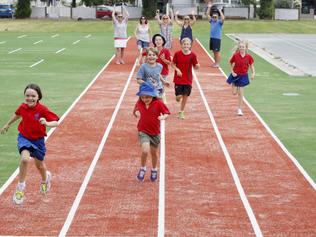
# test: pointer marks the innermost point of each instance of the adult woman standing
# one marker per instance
(120, 33)
(166, 25)
(186, 26)
(142, 34)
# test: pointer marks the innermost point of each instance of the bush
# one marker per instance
(149, 8)
(283, 4)
(266, 9)
(23, 9)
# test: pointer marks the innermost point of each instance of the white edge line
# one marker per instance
(286, 151)
(96, 157)
(53, 36)
(88, 36)
(76, 42)
(161, 205)
(233, 171)
(21, 36)
(16, 172)
(38, 62)
(60, 50)
(37, 42)
(15, 50)
(3, 42)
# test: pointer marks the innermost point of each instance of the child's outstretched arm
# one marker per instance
(252, 72)
(50, 124)
(163, 116)
(9, 123)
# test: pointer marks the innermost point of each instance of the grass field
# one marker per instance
(64, 75)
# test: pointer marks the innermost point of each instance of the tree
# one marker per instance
(149, 8)
(23, 9)
(90, 3)
(73, 3)
(266, 9)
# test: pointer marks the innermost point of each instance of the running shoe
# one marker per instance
(239, 112)
(45, 187)
(181, 115)
(18, 197)
(153, 175)
(141, 174)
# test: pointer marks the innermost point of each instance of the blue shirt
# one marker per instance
(216, 29)
(150, 74)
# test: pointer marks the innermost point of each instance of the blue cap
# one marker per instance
(147, 89)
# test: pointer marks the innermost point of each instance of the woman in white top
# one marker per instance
(142, 34)
(166, 24)
(120, 33)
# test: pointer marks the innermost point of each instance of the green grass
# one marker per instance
(63, 76)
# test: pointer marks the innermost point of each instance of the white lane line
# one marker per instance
(38, 62)
(60, 50)
(291, 157)
(161, 206)
(76, 42)
(53, 36)
(37, 42)
(3, 42)
(21, 36)
(15, 50)
(96, 157)
(232, 169)
(88, 36)
(16, 172)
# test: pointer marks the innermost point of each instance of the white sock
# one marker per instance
(21, 186)
(154, 169)
(143, 168)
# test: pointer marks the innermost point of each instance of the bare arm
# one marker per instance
(180, 23)
(9, 123)
(179, 73)
(158, 17)
(252, 67)
(222, 15)
(126, 13)
(171, 15)
(50, 124)
(193, 18)
(208, 12)
(113, 14)
(232, 65)
(197, 66)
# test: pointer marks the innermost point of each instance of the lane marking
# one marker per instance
(232, 169)
(161, 205)
(37, 42)
(21, 36)
(3, 42)
(60, 50)
(291, 94)
(76, 42)
(15, 50)
(38, 62)
(16, 172)
(290, 156)
(53, 36)
(88, 36)
(96, 157)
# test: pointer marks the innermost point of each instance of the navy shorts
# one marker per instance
(215, 44)
(239, 80)
(142, 44)
(36, 148)
(182, 89)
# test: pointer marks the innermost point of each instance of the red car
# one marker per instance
(103, 11)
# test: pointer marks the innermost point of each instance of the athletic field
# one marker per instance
(220, 174)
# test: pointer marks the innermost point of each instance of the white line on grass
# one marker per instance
(161, 210)
(60, 50)
(232, 169)
(2, 42)
(88, 36)
(15, 50)
(37, 42)
(16, 172)
(53, 36)
(38, 62)
(21, 36)
(292, 158)
(96, 157)
(76, 42)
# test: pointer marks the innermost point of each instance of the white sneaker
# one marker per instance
(18, 196)
(45, 187)
(239, 112)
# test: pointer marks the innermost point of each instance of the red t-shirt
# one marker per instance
(184, 63)
(241, 63)
(149, 122)
(165, 68)
(30, 127)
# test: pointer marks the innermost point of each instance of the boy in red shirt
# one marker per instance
(240, 63)
(31, 142)
(183, 61)
(151, 110)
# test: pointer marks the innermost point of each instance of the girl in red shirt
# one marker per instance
(240, 63)
(31, 143)
(151, 110)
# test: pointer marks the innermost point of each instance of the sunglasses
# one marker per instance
(186, 19)
(214, 17)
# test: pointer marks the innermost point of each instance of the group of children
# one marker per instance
(150, 108)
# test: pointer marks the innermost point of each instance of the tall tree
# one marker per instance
(23, 9)
(149, 8)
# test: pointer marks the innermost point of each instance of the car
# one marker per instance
(103, 11)
(6, 10)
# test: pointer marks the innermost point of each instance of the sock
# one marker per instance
(154, 169)
(143, 168)
(21, 186)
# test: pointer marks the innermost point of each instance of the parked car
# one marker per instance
(104, 11)
(6, 10)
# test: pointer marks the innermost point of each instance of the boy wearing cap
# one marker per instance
(150, 110)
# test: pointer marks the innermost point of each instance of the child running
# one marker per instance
(240, 62)
(183, 61)
(151, 110)
(31, 143)
(151, 72)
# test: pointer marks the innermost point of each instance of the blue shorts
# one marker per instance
(239, 80)
(215, 44)
(36, 148)
(142, 44)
